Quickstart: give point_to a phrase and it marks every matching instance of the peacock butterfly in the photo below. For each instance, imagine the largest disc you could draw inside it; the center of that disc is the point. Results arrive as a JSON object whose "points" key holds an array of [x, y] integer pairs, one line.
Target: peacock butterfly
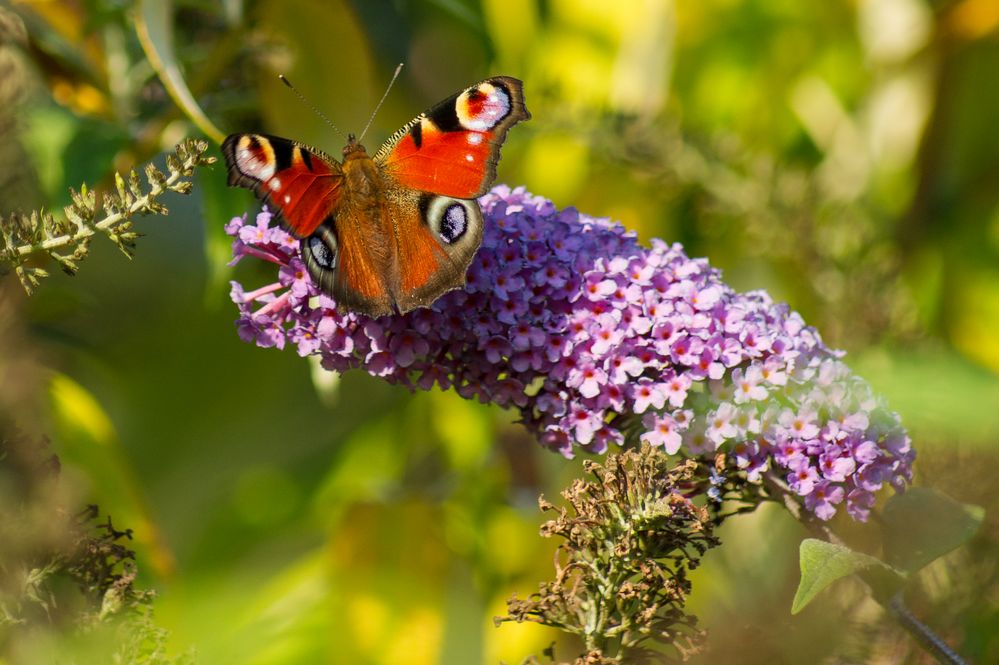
{"points": [[395, 231]]}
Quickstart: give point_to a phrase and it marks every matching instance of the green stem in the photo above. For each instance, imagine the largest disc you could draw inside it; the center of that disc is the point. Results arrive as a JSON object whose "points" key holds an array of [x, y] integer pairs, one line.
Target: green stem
{"points": [[922, 633]]}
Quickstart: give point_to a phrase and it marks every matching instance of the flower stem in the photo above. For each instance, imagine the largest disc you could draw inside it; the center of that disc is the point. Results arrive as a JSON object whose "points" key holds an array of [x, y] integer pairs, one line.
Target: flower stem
{"points": [[265, 255], [930, 641], [250, 296], [277, 304], [67, 240]]}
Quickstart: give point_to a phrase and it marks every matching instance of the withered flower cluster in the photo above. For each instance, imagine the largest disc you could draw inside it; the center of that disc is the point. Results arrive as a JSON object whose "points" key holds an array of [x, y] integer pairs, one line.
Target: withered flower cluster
{"points": [[63, 572], [621, 574]]}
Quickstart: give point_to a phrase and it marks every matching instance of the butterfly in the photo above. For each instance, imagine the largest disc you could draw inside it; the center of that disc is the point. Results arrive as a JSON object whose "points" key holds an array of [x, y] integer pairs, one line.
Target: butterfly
{"points": [[391, 232]]}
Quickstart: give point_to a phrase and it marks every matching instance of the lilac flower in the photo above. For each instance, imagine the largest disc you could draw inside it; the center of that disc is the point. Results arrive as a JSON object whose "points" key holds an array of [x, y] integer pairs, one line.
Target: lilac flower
{"points": [[646, 393], [598, 340], [295, 277], [804, 478], [748, 385], [721, 424], [823, 498], [662, 431]]}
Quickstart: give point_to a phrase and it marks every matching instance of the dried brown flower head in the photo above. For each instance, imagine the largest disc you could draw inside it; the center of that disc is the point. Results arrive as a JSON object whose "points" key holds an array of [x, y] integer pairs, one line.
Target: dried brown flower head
{"points": [[630, 538]]}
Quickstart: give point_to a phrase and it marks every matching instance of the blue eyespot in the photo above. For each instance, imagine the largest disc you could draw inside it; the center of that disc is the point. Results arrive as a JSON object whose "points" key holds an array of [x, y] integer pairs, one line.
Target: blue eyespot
{"points": [[454, 223], [321, 253]]}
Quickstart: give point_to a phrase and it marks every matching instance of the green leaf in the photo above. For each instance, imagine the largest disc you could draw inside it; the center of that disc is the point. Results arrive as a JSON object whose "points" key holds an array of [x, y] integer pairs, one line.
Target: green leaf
{"points": [[823, 563], [923, 524]]}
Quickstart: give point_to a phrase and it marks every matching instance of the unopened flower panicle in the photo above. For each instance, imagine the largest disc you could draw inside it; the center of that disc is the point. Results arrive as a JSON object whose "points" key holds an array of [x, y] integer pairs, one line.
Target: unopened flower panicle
{"points": [[597, 339]]}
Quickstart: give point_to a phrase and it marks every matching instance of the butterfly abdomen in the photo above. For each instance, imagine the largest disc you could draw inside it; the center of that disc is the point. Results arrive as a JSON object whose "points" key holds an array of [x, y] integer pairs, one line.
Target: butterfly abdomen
{"points": [[367, 242]]}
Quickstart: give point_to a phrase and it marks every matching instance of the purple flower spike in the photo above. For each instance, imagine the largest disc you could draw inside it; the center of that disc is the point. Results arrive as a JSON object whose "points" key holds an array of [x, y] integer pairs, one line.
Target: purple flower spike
{"points": [[596, 340]]}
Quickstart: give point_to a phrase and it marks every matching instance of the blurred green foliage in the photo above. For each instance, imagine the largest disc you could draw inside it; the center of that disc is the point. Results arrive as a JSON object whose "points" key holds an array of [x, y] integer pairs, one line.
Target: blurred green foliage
{"points": [[840, 154]]}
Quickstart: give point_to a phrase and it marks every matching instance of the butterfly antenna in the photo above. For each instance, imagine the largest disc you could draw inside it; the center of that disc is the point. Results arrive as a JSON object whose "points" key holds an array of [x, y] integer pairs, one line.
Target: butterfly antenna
{"points": [[309, 104], [375, 112]]}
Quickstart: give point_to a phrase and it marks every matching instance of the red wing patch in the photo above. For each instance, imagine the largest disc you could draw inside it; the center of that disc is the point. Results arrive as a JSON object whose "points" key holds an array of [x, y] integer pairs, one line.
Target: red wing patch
{"points": [[300, 184], [448, 163], [452, 149]]}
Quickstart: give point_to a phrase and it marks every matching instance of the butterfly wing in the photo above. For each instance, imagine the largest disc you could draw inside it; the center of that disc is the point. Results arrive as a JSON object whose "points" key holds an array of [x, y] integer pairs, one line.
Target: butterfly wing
{"points": [[350, 258], [345, 251], [432, 169], [439, 236], [301, 185], [452, 148]]}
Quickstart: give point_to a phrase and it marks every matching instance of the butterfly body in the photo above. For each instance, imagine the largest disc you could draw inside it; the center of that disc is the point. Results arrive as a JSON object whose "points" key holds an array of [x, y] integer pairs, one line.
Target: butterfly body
{"points": [[394, 231]]}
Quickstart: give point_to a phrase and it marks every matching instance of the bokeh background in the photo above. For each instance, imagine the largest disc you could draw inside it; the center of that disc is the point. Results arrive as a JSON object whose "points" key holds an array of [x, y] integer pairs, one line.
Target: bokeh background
{"points": [[842, 155]]}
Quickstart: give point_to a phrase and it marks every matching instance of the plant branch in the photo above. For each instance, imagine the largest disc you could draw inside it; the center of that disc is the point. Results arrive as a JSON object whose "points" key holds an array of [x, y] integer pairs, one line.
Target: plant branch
{"points": [[25, 236], [923, 634]]}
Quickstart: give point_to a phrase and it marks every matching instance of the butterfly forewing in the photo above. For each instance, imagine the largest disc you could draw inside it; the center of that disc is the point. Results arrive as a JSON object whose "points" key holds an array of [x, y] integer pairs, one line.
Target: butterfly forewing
{"points": [[452, 148], [300, 185], [439, 236]]}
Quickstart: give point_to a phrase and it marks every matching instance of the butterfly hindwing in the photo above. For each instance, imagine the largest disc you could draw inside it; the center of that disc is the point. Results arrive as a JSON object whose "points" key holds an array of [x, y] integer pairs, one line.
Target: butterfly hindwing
{"points": [[452, 148], [352, 260], [439, 236], [300, 185]]}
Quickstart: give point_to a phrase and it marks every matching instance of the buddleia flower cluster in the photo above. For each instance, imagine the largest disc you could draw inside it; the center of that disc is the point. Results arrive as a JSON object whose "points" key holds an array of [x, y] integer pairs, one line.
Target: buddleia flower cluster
{"points": [[597, 340]]}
